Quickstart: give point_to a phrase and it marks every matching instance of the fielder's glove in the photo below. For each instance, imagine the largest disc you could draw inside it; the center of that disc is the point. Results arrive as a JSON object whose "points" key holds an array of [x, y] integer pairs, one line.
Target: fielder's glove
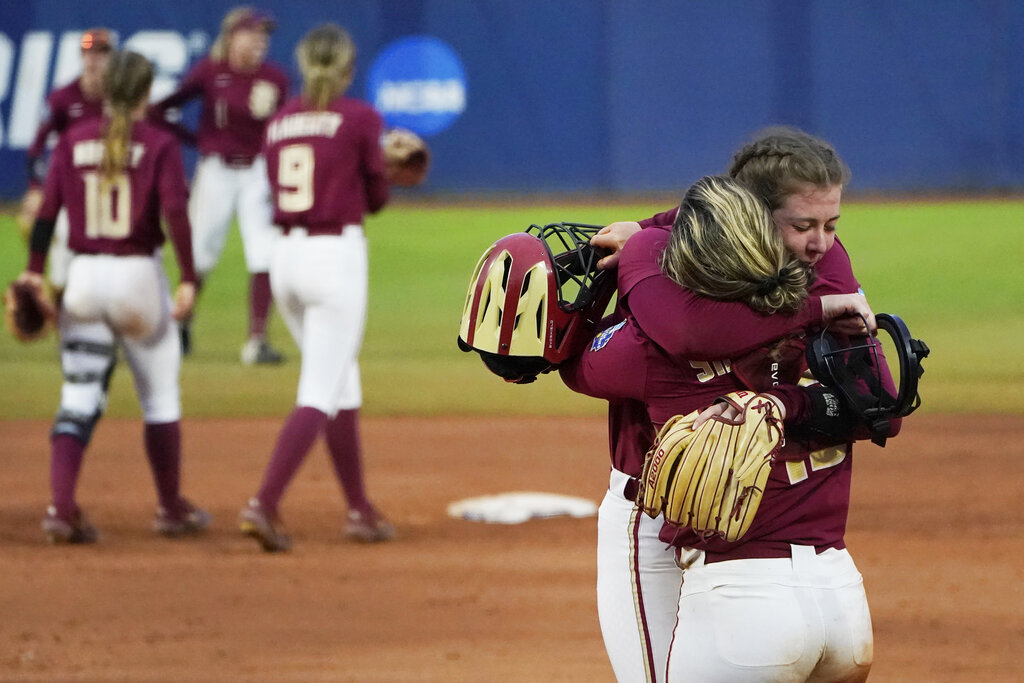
{"points": [[407, 157], [28, 311], [711, 480]]}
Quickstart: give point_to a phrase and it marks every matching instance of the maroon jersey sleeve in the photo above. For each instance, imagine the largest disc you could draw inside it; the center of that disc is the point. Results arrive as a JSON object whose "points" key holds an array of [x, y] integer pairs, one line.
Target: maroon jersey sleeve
{"points": [[56, 120], [191, 87], [612, 366], [663, 219], [52, 202], [174, 202], [377, 187], [690, 326], [693, 327]]}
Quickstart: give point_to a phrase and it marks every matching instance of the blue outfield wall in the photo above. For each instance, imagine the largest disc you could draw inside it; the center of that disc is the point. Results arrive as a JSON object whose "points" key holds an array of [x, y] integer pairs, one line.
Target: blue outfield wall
{"points": [[616, 96]]}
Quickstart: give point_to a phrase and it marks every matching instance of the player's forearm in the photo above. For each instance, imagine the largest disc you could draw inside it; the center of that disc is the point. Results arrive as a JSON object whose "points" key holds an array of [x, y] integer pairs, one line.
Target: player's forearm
{"points": [[39, 244], [693, 327], [181, 238]]}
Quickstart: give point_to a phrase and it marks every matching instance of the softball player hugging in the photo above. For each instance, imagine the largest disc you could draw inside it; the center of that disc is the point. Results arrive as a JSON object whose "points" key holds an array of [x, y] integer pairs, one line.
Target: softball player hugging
{"points": [[239, 92], [327, 170], [115, 176]]}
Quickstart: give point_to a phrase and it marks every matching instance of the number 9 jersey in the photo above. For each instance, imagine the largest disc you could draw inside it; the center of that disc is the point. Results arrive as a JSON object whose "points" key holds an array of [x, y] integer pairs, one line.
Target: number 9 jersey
{"points": [[120, 215], [326, 167]]}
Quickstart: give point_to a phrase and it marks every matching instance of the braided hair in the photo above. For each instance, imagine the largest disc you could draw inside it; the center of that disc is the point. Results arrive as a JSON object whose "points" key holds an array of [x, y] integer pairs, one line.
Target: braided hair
{"points": [[782, 161], [724, 245]]}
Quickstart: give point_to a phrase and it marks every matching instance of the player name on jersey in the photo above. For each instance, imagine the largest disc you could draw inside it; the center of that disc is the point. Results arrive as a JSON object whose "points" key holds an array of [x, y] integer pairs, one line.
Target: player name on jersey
{"points": [[303, 125], [90, 153]]}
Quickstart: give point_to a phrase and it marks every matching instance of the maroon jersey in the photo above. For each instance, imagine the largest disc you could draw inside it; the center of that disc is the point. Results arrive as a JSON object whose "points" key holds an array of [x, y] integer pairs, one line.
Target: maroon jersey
{"points": [[121, 217], [326, 167], [236, 106], [67, 106], [806, 499]]}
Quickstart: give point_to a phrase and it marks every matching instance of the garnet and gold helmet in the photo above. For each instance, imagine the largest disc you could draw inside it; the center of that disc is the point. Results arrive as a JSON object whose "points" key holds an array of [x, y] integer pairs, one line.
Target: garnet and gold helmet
{"points": [[534, 299]]}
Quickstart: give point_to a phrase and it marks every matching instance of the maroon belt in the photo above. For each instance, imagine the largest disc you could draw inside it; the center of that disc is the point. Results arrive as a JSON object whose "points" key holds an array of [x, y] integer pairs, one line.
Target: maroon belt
{"points": [[238, 160], [314, 231], [762, 550], [631, 488]]}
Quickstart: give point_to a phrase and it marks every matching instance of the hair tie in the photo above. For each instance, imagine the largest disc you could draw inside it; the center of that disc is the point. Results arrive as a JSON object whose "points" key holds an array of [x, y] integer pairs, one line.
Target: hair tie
{"points": [[769, 284]]}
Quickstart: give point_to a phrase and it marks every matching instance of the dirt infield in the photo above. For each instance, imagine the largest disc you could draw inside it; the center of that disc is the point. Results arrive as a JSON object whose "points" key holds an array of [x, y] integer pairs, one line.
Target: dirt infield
{"points": [[937, 529]]}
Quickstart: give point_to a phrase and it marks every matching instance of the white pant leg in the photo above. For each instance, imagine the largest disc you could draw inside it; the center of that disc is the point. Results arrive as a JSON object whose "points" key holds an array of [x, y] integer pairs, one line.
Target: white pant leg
{"points": [[156, 362], [255, 215], [60, 255], [764, 620], [637, 587], [320, 285], [130, 294], [211, 206]]}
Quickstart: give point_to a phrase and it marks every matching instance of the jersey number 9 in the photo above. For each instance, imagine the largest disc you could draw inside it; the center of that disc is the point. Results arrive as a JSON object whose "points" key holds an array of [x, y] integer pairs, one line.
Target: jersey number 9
{"points": [[295, 178]]}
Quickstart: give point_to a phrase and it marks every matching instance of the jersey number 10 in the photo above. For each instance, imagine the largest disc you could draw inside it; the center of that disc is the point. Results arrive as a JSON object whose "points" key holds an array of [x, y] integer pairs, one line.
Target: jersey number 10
{"points": [[107, 206]]}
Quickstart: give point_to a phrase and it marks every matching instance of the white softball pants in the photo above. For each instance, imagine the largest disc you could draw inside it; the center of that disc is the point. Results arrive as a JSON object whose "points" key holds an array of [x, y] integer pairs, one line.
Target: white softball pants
{"points": [[803, 618], [638, 583], [320, 286], [111, 300], [219, 193]]}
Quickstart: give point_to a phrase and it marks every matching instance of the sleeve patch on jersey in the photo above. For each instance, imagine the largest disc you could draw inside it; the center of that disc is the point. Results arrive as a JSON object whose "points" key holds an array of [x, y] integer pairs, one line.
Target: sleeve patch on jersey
{"points": [[601, 340]]}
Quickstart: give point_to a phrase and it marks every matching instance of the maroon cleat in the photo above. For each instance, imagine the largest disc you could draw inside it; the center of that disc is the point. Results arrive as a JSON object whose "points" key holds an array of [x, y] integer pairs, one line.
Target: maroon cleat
{"points": [[368, 526], [76, 530], [187, 519], [267, 529]]}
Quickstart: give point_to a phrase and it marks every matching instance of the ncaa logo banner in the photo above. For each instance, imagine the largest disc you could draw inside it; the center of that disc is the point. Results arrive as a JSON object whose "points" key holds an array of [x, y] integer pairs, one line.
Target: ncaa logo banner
{"points": [[418, 83]]}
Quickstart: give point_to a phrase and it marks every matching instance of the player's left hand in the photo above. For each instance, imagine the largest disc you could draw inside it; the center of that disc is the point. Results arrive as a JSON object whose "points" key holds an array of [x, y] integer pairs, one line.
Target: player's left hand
{"points": [[731, 411], [613, 237], [184, 300]]}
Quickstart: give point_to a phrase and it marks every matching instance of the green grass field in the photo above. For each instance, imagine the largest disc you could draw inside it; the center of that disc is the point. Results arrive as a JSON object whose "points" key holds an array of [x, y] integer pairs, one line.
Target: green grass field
{"points": [[934, 264]]}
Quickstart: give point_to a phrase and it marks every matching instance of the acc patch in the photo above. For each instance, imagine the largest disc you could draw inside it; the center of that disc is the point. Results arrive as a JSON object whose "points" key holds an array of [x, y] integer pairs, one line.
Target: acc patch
{"points": [[601, 340]]}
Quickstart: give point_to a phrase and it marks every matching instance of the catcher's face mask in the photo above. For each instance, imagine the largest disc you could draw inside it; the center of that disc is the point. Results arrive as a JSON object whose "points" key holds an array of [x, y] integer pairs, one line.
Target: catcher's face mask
{"points": [[854, 370], [534, 299]]}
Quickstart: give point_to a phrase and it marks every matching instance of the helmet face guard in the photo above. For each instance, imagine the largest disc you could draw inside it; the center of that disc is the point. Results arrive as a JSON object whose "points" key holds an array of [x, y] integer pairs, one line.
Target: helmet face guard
{"points": [[534, 299], [854, 369]]}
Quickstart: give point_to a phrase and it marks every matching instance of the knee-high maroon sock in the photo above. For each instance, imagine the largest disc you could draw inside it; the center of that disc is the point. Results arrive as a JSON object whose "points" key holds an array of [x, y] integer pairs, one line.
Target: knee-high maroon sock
{"points": [[66, 454], [163, 449], [259, 304], [344, 446], [293, 443]]}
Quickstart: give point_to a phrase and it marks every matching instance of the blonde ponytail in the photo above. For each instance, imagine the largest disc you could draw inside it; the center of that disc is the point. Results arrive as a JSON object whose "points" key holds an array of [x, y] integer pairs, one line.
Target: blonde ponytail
{"points": [[126, 83], [326, 57]]}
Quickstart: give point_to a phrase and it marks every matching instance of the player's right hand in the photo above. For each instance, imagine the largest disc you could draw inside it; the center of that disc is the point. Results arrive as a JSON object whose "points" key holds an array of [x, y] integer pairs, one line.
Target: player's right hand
{"points": [[846, 314], [613, 237], [184, 300]]}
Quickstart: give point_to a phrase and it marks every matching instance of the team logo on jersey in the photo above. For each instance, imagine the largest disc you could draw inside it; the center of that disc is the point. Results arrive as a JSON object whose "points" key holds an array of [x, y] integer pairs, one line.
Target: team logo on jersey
{"points": [[601, 340], [262, 99]]}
